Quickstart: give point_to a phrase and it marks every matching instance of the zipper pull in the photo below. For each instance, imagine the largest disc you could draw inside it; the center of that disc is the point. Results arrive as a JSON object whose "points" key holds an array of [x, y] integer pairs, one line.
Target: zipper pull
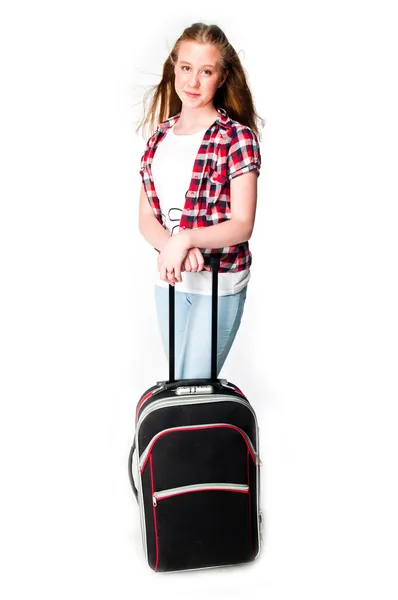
{"points": [[154, 500]]}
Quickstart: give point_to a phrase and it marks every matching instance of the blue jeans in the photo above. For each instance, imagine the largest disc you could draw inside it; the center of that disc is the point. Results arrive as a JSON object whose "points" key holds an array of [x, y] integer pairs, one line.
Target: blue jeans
{"points": [[193, 329]]}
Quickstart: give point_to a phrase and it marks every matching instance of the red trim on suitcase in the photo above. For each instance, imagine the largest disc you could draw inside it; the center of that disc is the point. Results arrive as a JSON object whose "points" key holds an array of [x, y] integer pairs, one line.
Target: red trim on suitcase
{"points": [[154, 518], [238, 390], [141, 402], [161, 433]]}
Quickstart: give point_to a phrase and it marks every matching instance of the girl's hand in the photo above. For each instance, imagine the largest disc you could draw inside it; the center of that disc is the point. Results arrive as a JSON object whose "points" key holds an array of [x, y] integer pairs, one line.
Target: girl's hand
{"points": [[171, 257], [194, 261]]}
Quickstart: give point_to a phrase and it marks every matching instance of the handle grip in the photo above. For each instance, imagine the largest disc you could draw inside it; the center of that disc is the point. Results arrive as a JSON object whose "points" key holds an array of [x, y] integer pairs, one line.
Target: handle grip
{"points": [[130, 467]]}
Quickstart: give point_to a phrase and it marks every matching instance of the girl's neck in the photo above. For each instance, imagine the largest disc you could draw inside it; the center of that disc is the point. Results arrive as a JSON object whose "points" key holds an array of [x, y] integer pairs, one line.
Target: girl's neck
{"points": [[192, 120]]}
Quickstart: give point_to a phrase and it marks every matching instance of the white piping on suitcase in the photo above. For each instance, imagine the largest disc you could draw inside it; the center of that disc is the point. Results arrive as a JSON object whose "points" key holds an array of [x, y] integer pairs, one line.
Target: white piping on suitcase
{"points": [[232, 487], [141, 508], [203, 426], [160, 404]]}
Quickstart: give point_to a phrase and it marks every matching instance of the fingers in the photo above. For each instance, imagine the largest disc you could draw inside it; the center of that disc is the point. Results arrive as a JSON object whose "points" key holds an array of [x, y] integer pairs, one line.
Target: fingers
{"points": [[187, 264], [177, 272], [165, 276], [168, 273], [192, 261], [171, 278], [195, 261], [199, 259]]}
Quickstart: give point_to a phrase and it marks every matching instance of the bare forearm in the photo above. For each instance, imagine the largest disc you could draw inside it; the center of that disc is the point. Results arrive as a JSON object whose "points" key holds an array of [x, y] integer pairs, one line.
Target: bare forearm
{"points": [[221, 235], [154, 233]]}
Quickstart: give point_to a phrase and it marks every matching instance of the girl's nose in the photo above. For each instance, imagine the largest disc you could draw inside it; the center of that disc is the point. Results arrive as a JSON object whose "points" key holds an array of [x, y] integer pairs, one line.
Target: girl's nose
{"points": [[194, 80]]}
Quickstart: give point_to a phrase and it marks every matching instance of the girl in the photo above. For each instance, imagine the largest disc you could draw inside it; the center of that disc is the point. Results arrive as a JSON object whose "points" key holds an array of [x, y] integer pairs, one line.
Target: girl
{"points": [[199, 192]]}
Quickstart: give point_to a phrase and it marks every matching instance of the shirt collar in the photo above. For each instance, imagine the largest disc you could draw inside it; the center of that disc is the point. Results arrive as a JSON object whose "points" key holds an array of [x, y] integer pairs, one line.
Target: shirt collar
{"points": [[222, 120]]}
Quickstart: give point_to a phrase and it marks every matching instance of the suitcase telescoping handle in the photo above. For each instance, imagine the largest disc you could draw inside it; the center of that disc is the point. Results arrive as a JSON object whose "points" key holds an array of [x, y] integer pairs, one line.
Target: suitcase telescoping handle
{"points": [[213, 261]]}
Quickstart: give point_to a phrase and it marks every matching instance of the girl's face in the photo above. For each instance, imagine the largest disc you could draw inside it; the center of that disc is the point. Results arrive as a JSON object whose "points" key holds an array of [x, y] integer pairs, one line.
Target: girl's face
{"points": [[197, 71]]}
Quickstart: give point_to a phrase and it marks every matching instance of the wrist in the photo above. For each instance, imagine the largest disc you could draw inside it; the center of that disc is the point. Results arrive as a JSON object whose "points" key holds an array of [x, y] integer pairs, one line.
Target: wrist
{"points": [[185, 238], [164, 241]]}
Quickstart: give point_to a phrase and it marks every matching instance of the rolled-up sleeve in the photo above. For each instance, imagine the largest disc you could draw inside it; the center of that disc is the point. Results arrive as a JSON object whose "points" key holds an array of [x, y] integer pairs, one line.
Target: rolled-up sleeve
{"points": [[244, 152], [142, 164], [144, 157], [143, 160]]}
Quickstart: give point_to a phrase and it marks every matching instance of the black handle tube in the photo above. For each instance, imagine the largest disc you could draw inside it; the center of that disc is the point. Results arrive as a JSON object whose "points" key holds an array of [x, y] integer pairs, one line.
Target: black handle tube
{"points": [[213, 261], [171, 333], [214, 327]]}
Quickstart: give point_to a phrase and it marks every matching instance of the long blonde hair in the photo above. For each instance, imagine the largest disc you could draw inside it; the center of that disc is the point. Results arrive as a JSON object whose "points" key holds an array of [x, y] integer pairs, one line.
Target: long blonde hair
{"points": [[234, 95]]}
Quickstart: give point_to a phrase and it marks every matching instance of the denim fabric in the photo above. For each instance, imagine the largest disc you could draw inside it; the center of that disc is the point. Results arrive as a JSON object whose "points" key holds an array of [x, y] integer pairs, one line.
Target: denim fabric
{"points": [[193, 329]]}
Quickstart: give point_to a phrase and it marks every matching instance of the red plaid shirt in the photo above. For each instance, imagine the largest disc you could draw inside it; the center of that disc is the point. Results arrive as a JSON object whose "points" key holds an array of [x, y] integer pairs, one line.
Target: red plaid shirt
{"points": [[228, 149]]}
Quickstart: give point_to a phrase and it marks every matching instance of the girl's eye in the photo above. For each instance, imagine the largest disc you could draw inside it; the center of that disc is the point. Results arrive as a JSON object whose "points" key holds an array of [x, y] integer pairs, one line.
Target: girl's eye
{"points": [[205, 70]]}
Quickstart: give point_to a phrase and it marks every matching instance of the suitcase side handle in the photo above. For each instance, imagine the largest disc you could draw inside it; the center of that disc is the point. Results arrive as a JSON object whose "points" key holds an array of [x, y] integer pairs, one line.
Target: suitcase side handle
{"points": [[130, 467], [212, 260]]}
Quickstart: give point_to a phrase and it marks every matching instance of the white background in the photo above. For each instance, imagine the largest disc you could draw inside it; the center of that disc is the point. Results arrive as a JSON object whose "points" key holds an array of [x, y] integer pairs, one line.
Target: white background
{"points": [[317, 350]]}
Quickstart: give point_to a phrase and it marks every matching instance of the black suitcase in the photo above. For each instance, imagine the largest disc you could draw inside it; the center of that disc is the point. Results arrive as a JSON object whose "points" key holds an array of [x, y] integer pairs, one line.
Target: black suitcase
{"points": [[196, 445]]}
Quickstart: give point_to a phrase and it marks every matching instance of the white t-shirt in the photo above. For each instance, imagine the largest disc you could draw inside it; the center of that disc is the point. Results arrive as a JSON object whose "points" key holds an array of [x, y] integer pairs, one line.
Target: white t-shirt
{"points": [[182, 150]]}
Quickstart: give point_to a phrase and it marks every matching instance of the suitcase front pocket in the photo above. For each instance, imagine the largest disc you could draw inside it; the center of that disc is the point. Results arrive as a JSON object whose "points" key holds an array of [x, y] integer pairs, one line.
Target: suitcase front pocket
{"points": [[202, 525], [199, 491]]}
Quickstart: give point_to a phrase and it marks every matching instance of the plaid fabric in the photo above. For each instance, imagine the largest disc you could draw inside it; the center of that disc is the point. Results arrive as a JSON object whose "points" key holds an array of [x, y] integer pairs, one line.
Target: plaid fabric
{"points": [[228, 149]]}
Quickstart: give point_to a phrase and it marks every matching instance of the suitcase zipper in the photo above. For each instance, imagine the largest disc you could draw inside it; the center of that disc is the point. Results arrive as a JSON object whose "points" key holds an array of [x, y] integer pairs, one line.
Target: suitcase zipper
{"points": [[230, 487], [147, 450], [166, 403]]}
